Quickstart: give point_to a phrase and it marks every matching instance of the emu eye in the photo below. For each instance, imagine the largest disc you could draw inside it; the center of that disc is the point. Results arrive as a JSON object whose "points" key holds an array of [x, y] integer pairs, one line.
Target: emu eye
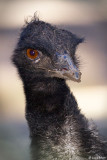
{"points": [[32, 53]]}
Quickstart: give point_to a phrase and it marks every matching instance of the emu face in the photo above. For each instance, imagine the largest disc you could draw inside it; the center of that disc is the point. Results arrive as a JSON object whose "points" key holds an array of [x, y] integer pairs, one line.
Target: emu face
{"points": [[44, 50]]}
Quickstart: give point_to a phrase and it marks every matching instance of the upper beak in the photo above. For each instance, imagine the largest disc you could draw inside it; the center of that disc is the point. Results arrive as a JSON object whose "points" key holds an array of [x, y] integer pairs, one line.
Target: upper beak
{"points": [[67, 67]]}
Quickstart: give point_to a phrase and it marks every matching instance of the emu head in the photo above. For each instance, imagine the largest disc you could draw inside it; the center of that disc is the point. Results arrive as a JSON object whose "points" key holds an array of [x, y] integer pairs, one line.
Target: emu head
{"points": [[44, 50]]}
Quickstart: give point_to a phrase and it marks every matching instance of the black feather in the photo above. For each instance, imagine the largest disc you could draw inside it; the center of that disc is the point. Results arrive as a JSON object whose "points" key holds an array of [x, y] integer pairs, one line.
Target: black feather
{"points": [[57, 127]]}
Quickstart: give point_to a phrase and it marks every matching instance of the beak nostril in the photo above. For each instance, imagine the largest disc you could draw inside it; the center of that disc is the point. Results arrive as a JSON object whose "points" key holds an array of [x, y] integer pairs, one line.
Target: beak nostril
{"points": [[67, 67]]}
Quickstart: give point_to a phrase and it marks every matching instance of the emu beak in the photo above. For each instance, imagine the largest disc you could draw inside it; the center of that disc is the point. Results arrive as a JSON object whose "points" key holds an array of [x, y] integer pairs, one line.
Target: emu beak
{"points": [[67, 68]]}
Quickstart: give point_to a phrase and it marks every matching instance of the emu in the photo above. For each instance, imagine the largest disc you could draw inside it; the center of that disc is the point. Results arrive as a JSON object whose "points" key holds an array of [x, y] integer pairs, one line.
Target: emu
{"points": [[45, 58]]}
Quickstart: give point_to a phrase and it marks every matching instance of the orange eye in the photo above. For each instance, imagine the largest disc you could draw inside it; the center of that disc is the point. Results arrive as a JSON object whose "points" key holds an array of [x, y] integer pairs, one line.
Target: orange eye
{"points": [[32, 53]]}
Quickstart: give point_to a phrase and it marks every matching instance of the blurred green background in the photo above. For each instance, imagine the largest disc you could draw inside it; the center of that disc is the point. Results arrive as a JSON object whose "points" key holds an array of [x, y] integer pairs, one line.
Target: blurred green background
{"points": [[87, 18]]}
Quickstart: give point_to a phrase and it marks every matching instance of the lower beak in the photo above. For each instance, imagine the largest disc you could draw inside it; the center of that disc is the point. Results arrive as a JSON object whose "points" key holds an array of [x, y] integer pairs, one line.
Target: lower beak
{"points": [[67, 67]]}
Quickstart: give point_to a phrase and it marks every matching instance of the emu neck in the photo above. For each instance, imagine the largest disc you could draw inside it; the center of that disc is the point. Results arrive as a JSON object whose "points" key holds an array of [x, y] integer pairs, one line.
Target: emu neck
{"points": [[54, 118], [46, 94], [45, 104]]}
